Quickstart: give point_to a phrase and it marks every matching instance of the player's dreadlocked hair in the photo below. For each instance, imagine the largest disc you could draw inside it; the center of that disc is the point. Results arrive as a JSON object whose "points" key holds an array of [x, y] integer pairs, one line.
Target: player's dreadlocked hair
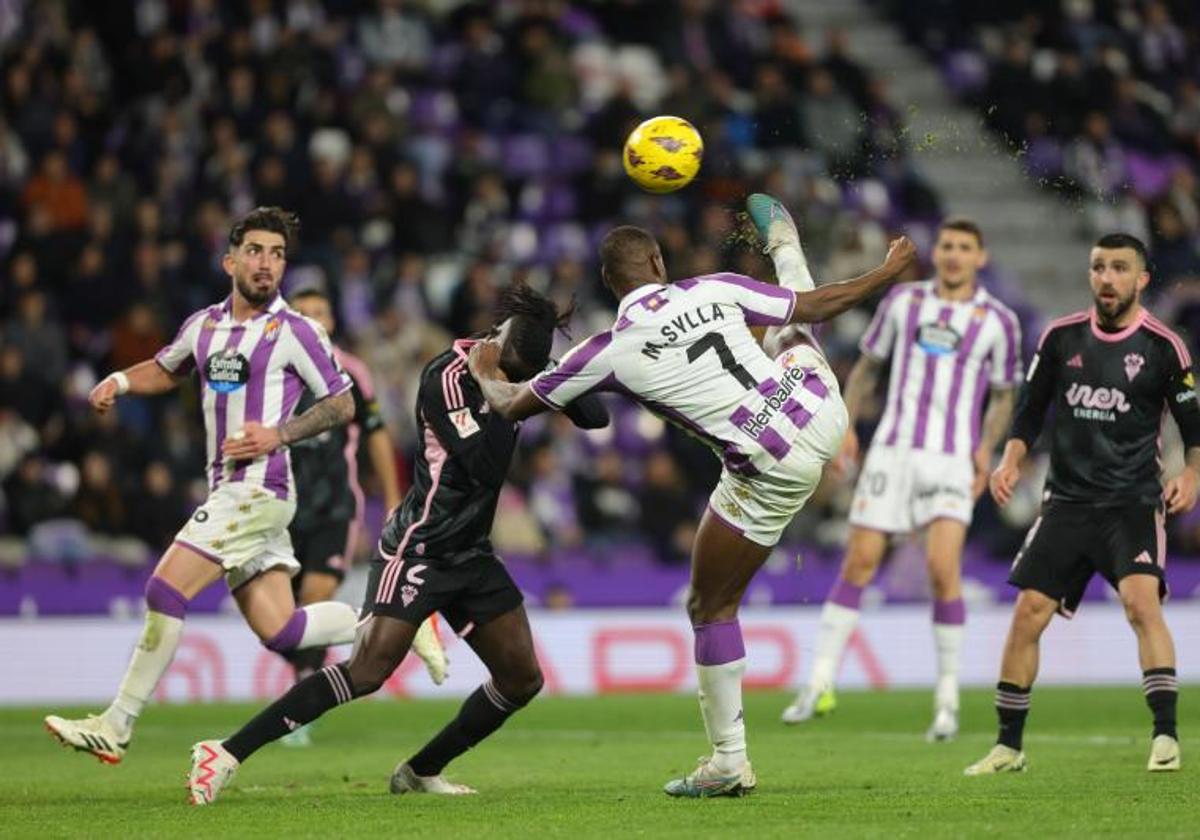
{"points": [[534, 319], [272, 219]]}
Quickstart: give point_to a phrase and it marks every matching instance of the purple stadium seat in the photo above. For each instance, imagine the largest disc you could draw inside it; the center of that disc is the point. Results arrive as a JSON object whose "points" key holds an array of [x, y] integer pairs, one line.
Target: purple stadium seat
{"points": [[525, 156]]}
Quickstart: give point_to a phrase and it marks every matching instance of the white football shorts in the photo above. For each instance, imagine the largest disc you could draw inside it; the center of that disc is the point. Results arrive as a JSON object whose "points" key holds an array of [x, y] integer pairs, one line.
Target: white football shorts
{"points": [[244, 528]]}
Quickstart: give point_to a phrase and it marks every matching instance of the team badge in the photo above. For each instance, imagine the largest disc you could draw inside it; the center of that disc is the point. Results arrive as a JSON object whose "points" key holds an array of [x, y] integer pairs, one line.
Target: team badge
{"points": [[1133, 365], [408, 594], [464, 423], [271, 330], [210, 323]]}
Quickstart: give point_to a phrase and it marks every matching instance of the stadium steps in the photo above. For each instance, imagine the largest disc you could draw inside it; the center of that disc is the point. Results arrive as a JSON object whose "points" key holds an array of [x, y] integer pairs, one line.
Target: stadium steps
{"points": [[1031, 233]]}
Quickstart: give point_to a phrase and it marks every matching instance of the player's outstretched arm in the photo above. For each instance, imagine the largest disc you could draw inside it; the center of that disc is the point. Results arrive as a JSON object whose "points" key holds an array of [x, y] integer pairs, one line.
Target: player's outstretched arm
{"points": [[144, 378], [832, 299], [512, 400]]}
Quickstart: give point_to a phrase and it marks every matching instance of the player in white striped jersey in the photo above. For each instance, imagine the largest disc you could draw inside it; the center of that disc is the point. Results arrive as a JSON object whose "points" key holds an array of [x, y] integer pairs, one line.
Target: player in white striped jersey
{"points": [[255, 356], [952, 346], [685, 351]]}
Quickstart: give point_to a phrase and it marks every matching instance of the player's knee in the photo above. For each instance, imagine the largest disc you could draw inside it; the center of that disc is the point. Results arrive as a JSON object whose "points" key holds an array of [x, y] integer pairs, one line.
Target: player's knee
{"points": [[1142, 612], [368, 674], [162, 597], [523, 687], [1032, 613], [288, 638]]}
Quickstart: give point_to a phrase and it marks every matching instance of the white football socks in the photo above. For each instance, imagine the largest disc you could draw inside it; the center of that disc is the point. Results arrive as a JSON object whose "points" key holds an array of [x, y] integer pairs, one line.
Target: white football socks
{"points": [[791, 268], [837, 623], [328, 623], [948, 641], [151, 658], [721, 708]]}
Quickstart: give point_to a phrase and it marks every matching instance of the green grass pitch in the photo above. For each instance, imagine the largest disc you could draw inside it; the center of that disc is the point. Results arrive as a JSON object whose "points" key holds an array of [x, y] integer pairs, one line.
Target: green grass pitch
{"points": [[577, 768]]}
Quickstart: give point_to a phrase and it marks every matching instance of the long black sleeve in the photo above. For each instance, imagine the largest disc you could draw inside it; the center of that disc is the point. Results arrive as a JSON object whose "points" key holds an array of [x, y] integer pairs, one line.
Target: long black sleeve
{"points": [[1037, 392], [1182, 402]]}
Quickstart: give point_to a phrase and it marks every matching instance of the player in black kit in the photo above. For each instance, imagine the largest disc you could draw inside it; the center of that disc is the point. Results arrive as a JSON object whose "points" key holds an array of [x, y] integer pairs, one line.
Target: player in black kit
{"points": [[1109, 372], [329, 500], [435, 556]]}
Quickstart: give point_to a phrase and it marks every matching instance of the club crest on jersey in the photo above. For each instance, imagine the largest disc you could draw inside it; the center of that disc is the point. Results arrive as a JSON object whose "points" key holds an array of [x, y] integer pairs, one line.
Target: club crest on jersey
{"points": [[271, 330], [227, 371], [464, 423], [1133, 365], [938, 339], [408, 594]]}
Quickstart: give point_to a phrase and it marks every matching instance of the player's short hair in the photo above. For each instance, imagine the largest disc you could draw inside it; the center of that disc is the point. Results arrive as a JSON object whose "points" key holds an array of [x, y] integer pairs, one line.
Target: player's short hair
{"points": [[305, 292], [271, 219], [534, 319], [1125, 240], [963, 224], [624, 250]]}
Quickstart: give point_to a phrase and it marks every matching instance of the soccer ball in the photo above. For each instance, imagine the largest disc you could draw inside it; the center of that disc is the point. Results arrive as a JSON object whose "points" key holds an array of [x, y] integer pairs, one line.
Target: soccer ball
{"points": [[663, 154]]}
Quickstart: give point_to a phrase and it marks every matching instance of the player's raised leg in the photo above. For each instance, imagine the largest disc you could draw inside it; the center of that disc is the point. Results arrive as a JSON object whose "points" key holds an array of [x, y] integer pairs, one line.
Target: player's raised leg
{"points": [[839, 617], [1156, 653], [505, 645], [945, 540], [179, 577], [781, 241], [1018, 669], [382, 644], [723, 563], [267, 603]]}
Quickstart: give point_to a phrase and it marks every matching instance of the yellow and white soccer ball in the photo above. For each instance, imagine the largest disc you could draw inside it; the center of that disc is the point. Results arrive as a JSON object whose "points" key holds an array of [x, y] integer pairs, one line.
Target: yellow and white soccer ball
{"points": [[663, 154]]}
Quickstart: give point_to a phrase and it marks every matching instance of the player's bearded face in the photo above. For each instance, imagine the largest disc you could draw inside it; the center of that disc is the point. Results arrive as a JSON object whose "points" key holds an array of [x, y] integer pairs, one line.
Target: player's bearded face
{"points": [[257, 266], [1116, 278]]}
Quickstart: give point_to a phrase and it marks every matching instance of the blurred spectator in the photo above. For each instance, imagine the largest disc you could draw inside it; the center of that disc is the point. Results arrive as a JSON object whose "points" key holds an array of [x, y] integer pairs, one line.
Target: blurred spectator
{"points": [[608, 512], [38, 336], [159, 505], [57, 192], [668, 516]]}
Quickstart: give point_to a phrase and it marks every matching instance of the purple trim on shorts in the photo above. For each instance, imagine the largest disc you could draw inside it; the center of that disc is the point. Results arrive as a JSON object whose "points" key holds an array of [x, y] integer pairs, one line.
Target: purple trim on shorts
{"points": [[771, 441], [956, 384], [719, 643], [910, 338], [219, 408], [545, 383], [205, 554], [845, 594], [931, 362], [335, 379], [256, 390], [731, 526], [950, 612], [289, 637], [162, 597]]}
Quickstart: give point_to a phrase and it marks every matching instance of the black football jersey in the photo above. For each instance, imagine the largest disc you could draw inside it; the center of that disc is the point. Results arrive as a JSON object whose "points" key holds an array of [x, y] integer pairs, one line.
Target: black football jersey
{"points": [[1110, 393]]}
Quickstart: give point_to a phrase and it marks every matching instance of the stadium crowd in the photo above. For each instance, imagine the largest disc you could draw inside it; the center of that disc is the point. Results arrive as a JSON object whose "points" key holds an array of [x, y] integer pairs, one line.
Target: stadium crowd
{"points": [[435, 151]]}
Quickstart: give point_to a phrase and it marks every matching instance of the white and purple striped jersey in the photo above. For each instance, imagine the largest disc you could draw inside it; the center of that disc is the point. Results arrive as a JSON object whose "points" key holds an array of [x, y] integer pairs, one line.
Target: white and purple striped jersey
{"points": [[685, 352], [256, 371], [945, 357]]}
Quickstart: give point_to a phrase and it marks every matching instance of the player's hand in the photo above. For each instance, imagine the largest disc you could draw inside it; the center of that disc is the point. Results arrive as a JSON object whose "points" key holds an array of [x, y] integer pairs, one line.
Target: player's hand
{"points": [[255, 441], [901, 254], [484, 360], [104, 395], [983, 466], [1180, 492], [1004, 481], [847, 458]]}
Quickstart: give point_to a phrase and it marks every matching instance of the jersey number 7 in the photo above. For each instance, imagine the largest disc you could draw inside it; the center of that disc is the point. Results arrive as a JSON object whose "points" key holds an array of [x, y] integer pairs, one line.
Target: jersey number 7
{"points": [[716, 341]]}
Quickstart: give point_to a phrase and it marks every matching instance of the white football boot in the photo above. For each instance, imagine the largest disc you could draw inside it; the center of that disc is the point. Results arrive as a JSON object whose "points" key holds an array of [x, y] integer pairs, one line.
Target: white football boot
{"points": [[212, 769], [1164, 754], [404, 780], [93, 734], [1001, 759]]}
